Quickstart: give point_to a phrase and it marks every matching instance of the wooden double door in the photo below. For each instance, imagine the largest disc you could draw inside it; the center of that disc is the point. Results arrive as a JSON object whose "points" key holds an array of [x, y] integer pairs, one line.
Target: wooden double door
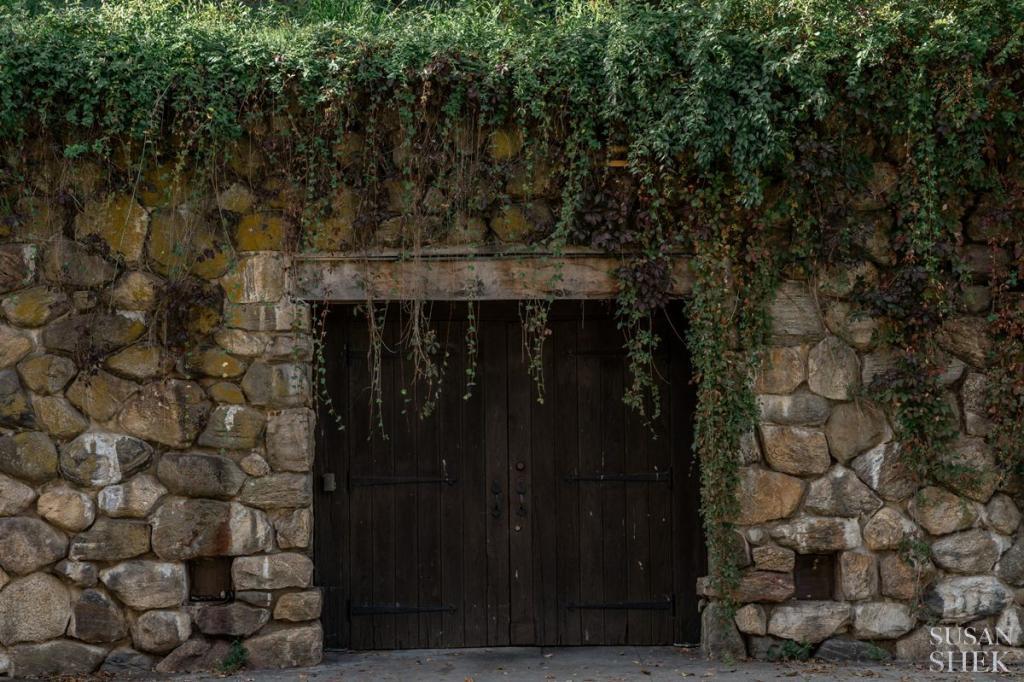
{"points": [[498, 519]]}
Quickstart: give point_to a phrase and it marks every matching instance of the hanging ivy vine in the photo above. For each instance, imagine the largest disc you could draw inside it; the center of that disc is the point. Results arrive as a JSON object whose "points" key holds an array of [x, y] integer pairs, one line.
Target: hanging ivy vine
{"points": [[752, 132]]}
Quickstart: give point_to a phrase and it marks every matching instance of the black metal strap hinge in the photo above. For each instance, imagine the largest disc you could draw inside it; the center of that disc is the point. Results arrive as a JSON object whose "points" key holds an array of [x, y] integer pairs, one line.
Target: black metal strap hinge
{"points": [[646, 477], [355, 482]]}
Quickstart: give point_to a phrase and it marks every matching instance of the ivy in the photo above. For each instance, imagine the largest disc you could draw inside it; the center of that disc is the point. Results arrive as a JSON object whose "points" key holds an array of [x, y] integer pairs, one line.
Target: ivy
{"points": [[755, 131]]}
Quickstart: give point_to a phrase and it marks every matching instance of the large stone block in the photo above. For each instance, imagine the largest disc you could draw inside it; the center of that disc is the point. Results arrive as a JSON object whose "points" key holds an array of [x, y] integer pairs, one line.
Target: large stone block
{"points": [[197, 474], [29, 455], [278, 491], [298, 606], [99, 394], [66, 507], [57, 417], [15, 409], [272, 317], [972, 467], [290, 439], [810, 621], [168, 412], [35, 307], [133, 499], [234, 619], [854, 428], [161, 631], [93, 333], [46, 374], [882, 620], [255, 278], [125, 662], [833, 370], [887, 529], [140, 362], [795, 314], [17, 266], [111, 540], [940, 512], [96, 618], [795, 450], [33, 609], [719, 638], [902, 579], [783, 369], [817, 535], [967, 338], [840, 493], [119, 221], [751, 620], [65, 261], [15, 496], [27, 544], [975, 396], [1002, 515], [294, 527], [970, 551], [185, 529], [97, 459], [883, 470], [14, 345], [57, 658], [767, 495], [144, 584], [281, 385], [774, 558], [286, 647], [233, 427], [858, 576], [799, 409], [963, 598], [272, 572]]}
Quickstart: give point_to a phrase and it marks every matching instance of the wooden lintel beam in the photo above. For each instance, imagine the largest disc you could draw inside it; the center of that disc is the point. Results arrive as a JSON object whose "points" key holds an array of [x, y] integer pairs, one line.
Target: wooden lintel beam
{"points": [[459, 279]]}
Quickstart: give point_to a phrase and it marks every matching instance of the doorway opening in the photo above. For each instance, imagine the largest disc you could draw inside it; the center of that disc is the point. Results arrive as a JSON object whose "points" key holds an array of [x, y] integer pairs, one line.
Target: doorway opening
{"points": [[498, 519]]}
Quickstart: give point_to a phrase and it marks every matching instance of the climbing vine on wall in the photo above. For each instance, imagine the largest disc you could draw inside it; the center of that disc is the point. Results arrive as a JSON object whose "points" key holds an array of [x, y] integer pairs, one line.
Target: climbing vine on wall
{"points": [[745, 133]]}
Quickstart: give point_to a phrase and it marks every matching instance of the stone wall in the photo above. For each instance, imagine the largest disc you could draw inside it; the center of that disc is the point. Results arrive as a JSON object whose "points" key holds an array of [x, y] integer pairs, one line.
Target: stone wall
{"points": [[155, 408], [822, 476]]}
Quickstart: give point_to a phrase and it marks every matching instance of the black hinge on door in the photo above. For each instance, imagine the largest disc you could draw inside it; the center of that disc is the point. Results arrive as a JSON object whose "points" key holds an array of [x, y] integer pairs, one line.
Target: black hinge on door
{"points": [[668, 604], [357, 481], [395, 609], [646, 477]]}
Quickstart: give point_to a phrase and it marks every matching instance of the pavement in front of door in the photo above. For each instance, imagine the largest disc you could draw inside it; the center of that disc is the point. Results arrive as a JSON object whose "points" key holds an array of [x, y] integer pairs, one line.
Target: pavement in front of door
{"points": [[577, 664]]}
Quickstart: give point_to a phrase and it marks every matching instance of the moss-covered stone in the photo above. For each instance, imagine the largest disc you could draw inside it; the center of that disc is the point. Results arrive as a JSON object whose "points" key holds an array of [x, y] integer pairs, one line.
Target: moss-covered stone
{"points": [[262, 232], [36, 306], [119, 221]]}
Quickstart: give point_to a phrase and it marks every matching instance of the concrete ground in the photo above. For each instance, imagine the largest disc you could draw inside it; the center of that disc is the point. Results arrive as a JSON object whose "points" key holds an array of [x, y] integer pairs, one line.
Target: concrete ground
{"points": [[578, 664]]}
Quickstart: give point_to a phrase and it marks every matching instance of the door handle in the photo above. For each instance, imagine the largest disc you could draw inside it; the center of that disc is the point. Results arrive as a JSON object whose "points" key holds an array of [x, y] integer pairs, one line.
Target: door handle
{"points": [[496, 491], [521, 491]]}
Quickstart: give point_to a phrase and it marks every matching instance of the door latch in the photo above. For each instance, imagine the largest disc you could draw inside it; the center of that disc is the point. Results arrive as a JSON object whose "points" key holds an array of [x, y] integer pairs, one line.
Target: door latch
{"points": [[329, 483]]}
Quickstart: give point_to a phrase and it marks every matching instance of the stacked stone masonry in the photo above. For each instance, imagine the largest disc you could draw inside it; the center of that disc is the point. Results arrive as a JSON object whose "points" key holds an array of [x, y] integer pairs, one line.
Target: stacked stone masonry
{"points": [[155, 408], [822, 476], [124, 454]]}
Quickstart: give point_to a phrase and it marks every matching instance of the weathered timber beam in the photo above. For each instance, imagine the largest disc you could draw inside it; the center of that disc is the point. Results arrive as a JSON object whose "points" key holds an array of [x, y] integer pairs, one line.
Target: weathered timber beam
{"points": [[341, 279]]}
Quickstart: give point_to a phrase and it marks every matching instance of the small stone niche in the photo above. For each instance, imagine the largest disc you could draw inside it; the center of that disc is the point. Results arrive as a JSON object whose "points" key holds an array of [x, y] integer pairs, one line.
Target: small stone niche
{"points": [[814, 576], [209, 579]]}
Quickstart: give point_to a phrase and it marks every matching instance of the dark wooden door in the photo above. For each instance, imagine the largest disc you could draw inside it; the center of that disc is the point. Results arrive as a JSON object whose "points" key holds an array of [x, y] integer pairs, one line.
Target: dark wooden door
{"points": [[498, 519]]}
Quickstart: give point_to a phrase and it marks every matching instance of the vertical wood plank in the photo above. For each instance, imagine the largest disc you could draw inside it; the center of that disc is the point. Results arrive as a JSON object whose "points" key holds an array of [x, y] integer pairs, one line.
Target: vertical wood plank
{"points": [[360, 562], [591, 458], [384, 564], [613, 510], [638, 531], [451, 446], [475, 509], [520, 473], [495, 397], [566, 438], [543, 499]]}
